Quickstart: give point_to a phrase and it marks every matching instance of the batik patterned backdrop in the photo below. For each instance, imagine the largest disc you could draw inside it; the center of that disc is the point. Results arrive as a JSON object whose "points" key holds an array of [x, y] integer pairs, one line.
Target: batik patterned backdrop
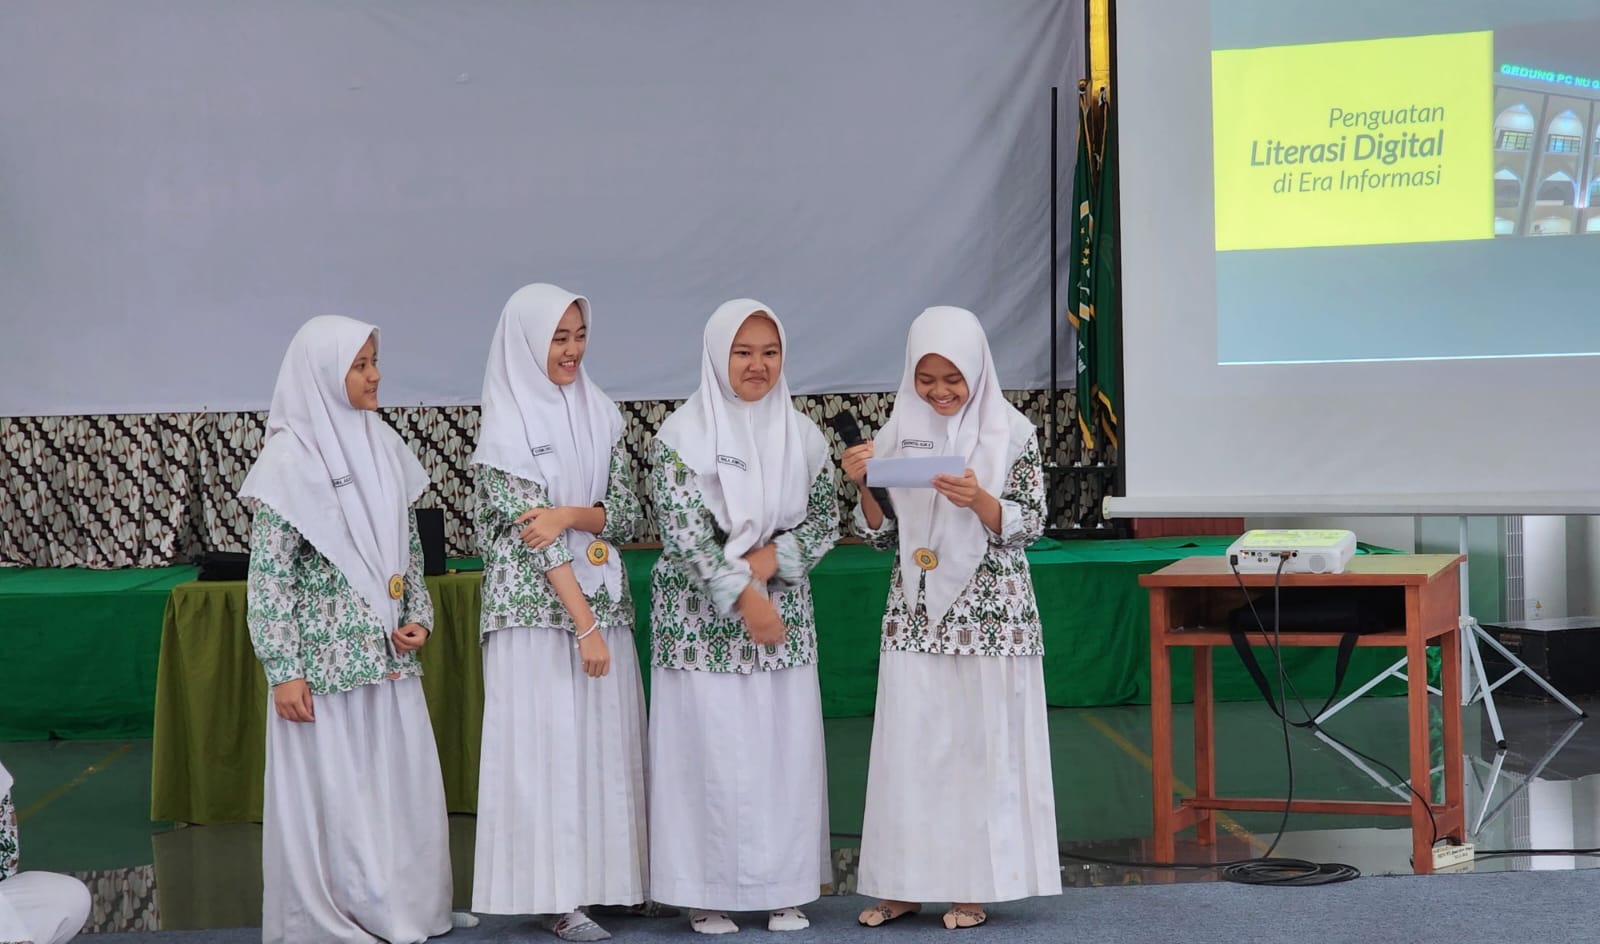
{"points": [[154, 489]]}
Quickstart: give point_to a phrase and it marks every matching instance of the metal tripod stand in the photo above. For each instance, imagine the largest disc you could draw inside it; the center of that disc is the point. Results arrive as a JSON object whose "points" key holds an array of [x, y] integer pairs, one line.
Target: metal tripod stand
{"points": [[1475, 684]]}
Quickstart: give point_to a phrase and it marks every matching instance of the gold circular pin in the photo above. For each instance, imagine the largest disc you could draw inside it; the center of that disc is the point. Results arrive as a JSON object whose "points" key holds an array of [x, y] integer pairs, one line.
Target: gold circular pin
{"points": [[397, 587], [599, 552], [925, 558]]}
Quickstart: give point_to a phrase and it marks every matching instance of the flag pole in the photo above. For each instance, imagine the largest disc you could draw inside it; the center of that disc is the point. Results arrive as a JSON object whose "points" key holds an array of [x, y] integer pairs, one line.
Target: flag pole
{"points": [[1054, 417], [1120, 464]]}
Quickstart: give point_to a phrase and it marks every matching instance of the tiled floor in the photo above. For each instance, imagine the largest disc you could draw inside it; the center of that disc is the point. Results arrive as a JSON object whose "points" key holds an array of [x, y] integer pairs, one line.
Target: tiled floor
{"points": [[84, 806]]}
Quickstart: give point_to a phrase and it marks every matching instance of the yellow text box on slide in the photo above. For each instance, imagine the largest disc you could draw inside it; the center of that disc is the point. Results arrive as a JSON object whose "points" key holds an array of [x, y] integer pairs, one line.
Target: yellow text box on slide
{"points": [[1354, 143]]}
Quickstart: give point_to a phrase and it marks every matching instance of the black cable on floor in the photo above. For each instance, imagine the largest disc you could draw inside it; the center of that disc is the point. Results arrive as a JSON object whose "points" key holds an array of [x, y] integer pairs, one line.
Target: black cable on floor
{"points": [[1293, 872], [1514, 853]]}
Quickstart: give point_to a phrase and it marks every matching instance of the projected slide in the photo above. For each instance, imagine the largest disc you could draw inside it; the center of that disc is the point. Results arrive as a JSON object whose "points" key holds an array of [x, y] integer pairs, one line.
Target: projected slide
{"points": [[1340, 144], [1394, 172]]}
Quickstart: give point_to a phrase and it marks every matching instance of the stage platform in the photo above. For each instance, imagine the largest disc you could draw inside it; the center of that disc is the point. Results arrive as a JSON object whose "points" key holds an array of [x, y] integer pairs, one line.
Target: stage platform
{"points": [[91, 655]]}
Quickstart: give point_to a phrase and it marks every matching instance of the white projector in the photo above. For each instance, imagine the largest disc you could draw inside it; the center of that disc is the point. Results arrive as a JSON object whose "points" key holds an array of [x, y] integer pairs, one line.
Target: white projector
{"points": [[1300, 552]]}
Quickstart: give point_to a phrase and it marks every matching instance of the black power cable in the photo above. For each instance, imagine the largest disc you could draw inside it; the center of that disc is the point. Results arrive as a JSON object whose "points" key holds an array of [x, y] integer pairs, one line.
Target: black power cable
{"points": [[1513, 853], [1264, 869], [1311, 724]]}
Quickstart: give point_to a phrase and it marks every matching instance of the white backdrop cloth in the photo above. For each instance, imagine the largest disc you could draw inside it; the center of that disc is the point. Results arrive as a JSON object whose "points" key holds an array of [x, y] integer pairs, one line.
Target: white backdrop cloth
{"points": [[186, 182]]}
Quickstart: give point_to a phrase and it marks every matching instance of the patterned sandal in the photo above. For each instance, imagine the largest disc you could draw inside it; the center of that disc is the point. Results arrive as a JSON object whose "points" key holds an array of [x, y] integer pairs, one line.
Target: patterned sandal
{"points": [[882, 913], [957, 918], [577, 926]]}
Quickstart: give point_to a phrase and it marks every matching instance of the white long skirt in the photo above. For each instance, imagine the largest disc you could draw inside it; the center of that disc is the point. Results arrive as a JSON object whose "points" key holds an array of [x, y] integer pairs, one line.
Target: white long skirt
{"points": [[354, 839], [738, 789], [960, 803], [561, 780]]}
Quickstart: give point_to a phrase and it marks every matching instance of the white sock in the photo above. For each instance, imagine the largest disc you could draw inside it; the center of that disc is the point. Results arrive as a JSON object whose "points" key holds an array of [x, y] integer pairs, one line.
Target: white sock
{"points": [[463, 919], [711, 922], [788, 919]]}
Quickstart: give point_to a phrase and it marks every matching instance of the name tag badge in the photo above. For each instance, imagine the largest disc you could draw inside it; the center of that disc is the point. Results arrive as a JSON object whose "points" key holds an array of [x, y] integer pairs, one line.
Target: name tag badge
{"points": [[542, 451], [734, 461], [916, 444]]}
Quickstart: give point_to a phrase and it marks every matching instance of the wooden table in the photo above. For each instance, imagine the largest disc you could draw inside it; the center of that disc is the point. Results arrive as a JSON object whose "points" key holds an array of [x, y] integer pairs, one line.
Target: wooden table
{"points": [[1189, 605]]}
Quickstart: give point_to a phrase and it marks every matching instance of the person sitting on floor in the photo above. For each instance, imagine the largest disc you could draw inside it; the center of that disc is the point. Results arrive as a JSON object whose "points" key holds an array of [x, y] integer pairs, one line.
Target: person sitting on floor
{"points": [[35, 907]]}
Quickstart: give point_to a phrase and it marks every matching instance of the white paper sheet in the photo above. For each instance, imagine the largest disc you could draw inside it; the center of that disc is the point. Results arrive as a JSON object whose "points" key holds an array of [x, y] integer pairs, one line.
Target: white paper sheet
{"points": [[912, 471]]}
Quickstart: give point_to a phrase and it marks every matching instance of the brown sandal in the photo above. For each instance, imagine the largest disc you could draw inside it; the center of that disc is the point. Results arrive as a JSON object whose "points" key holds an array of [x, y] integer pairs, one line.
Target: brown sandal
{"points": [[957, 918], [884, 914]]}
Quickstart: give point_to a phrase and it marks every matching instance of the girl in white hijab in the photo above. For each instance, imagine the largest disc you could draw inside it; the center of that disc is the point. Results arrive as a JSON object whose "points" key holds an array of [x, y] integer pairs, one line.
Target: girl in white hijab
{"points": [[354, 844], [561, 792], [744, 495], [960, 803]]}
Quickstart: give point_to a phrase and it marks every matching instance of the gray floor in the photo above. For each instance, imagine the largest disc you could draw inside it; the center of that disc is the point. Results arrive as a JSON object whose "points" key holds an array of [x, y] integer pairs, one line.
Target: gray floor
{"points": [[84, 809], [1461, 909]]}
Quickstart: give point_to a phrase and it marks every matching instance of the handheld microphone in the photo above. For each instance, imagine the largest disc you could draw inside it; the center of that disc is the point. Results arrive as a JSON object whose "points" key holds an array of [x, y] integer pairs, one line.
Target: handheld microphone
{"points": [[845, 424]]}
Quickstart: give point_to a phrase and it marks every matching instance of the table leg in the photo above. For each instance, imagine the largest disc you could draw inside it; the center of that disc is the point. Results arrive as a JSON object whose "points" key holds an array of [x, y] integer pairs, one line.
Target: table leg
{"points": [[1419, 738], [1205, 744], [1161, 727], [1455, 774]]}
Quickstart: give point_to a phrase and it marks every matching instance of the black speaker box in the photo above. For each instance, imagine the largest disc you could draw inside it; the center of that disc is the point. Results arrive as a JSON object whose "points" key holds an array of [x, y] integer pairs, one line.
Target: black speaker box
{"points": [[222, 565], [1564, 652], [430, 530]]}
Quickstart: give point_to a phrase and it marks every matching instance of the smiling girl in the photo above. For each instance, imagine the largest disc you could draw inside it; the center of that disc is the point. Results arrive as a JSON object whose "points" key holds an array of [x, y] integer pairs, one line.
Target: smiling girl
{"points": [[960, 805], [744, 494], [561, 786], [354, 842]]}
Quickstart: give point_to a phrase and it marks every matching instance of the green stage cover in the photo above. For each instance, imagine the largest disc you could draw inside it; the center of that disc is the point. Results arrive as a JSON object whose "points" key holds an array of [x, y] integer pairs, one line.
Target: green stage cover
{"points": [[80, 650]]}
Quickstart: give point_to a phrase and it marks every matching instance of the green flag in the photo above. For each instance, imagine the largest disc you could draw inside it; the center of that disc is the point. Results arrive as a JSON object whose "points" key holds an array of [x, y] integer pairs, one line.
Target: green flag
{"points": [[1106, 365], [1080, 274]]}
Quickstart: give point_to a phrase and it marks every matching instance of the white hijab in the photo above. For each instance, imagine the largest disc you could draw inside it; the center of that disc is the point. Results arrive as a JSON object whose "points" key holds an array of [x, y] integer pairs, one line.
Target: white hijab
{"points": [[989, 434], [5, 780], [559, 436], [339, 475], [755, 461]]}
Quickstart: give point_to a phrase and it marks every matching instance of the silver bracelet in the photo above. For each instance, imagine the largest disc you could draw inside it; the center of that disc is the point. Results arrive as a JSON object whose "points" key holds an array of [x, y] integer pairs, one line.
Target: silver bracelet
{"points": [[580, 637]]}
